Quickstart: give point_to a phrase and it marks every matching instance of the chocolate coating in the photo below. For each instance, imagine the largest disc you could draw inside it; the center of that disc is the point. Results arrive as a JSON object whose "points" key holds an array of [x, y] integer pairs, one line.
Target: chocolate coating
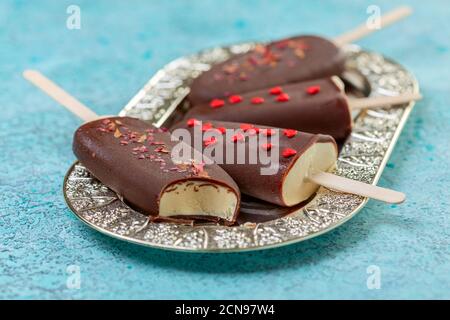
{"points": [[285, 61], [248, 176], [325, 112], [133, 159]]}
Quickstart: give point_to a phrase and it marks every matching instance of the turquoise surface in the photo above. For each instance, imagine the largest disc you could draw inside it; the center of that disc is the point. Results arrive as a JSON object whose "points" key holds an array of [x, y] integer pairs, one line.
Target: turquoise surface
{"points": [[119, 46]]}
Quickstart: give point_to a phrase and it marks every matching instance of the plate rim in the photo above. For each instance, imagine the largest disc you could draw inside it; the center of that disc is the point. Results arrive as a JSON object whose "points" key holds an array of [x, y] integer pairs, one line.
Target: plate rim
{"points": [[190, 250]]}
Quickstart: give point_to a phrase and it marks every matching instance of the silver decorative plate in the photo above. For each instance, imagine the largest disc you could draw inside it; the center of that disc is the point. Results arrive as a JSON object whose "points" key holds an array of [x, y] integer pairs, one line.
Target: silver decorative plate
{"points": [[363, 158]]}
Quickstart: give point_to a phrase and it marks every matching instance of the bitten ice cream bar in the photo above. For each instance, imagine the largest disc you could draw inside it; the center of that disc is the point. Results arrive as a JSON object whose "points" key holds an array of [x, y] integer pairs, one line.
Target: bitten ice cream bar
{"points": [[302, 161], [134, 159], [298, 155]]}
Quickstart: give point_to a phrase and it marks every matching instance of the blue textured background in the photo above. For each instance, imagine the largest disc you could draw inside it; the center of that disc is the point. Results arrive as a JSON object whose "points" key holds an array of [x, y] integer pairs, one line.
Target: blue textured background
{"points": [[121, 44]]}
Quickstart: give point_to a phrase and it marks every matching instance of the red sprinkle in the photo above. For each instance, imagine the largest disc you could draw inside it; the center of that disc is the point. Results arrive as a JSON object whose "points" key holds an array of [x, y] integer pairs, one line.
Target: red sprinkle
{"points": [[276, 91], [237, 137], [192, 122], [235, 99], [313, 90], [209, 141], [217, 103], [267, 132], [266, 146], [283, 97], [257, 100], [288, 152], [246, 126], [289, 132], [222, 130], [207, 126]]}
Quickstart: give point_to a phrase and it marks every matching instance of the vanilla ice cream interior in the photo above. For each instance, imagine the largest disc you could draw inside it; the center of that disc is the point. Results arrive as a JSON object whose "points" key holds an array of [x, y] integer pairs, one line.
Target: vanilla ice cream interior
{"points": [[296, 187], [198, 198]]}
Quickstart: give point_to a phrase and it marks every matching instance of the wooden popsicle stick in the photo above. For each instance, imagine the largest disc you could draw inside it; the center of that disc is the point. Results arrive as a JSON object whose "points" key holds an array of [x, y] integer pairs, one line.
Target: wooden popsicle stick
{"points": [[363, 30], [60, 95], [382, 101], [346, 185]]}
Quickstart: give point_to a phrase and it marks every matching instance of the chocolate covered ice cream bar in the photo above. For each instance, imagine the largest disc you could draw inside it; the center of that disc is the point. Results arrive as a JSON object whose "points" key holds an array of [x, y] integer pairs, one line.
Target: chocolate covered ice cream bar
{"points": [[285, 61], [316, 106], [291, 155], [133, 159], [281, 62]]}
